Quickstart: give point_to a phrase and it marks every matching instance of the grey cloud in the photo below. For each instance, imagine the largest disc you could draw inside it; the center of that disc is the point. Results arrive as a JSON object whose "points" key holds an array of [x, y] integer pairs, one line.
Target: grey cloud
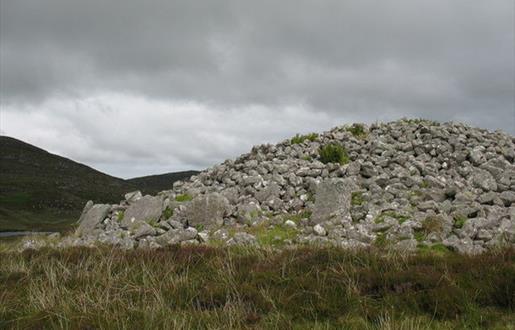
{"points": [[238, 52], [130, 134], [346, 60]]}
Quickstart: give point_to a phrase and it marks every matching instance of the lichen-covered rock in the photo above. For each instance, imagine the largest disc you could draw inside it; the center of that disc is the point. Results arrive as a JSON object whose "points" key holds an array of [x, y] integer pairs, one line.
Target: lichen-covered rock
{"points": [[332, 200], [145, 209], [87, 207], [319, 230], [207, 210], [143, 229], [91, 218], [176, 236]]}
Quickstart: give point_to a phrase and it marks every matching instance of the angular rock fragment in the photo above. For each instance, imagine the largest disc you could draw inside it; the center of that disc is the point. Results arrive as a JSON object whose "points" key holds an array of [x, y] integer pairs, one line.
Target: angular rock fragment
{"points": [[92, 217]]}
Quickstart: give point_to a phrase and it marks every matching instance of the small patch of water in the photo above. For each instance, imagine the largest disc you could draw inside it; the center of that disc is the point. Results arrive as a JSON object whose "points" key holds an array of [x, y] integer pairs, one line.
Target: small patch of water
{"points": [[22, 233]]}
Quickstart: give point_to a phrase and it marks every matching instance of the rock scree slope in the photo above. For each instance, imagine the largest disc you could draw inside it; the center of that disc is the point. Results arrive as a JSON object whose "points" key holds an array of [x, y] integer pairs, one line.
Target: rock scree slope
{"points": [[405, 185]]}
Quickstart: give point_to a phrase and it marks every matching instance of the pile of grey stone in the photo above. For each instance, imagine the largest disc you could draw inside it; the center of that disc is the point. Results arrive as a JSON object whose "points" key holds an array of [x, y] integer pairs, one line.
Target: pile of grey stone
{"points": [[408, 184]]}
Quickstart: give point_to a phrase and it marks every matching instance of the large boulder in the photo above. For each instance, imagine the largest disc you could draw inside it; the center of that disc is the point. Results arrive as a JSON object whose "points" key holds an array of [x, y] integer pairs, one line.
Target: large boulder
{"points": [[333, 200], [176, 236], [146, 209], [207, 210], [91, 217]]}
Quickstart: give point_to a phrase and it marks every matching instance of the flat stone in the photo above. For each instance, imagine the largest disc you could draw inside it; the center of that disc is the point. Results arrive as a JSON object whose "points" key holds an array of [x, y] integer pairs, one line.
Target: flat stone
{"points": [[144, 229], [176, 236]]}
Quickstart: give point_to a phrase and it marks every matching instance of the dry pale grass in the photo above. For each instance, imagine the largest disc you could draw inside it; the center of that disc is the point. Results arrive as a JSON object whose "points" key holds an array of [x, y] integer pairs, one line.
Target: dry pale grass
{"points": [[235, 288]]}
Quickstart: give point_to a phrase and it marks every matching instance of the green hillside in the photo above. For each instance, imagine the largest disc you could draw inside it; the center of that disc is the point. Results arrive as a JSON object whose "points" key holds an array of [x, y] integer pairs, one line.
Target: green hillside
{"points": [[155, 183], [43, 191]]}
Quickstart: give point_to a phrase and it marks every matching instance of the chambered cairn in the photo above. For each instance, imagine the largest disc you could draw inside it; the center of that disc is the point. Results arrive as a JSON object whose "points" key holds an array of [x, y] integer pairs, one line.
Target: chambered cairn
{"points": [[403, 185]]}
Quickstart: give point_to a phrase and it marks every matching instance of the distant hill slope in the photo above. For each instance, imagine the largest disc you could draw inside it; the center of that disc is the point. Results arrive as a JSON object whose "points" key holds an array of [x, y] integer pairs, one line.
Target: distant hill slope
{"points": [[153, 184], [43, 191]]}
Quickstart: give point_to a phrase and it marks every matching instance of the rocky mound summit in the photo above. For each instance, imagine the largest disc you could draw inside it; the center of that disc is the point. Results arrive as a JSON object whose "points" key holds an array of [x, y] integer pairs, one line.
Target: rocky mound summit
{"points": [[407, 185]]}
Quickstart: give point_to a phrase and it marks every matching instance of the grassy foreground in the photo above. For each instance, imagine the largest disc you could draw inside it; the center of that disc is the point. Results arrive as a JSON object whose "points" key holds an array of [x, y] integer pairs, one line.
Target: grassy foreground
{"points": [[226, 288]]}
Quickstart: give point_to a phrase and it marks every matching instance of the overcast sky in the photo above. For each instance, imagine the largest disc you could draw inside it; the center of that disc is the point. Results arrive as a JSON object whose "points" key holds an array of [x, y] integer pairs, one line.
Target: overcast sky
{"points": [[142, 87]]}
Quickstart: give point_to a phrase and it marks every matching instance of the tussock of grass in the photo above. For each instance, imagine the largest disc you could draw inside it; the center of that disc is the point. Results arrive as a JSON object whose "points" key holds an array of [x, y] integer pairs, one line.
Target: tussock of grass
{"points": [[438, 249], [299, 216], [303, 288], [298, 139], [357, 130], [333, 153], [276, 235]]}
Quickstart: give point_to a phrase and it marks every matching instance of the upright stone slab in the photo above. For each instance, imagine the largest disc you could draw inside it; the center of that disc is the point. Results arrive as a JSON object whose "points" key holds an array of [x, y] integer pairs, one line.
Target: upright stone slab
{"points": [[208, 210], [87, 207], [92, 216], [146, 209], [332, 199]]}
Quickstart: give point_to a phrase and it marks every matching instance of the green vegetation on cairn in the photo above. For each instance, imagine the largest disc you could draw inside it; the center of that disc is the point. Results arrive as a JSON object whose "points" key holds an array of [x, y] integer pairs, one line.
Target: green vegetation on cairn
{"points": [[121, 215], [183, 198], [167, 213], [357, 198], [400, 218], [433, 224], [459, 221], [381, 240], [297, 139], [424, 184], [357, 130], [299, 216], [333, 153]]}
